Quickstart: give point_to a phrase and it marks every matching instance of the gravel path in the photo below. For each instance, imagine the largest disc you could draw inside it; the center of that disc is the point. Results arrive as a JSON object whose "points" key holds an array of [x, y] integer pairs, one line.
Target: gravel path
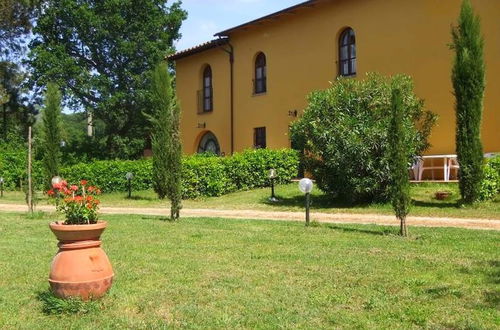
{"points": [[339, 218]]}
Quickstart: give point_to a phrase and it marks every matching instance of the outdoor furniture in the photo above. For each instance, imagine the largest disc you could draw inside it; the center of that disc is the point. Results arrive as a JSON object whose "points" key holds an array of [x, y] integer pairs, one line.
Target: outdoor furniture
{"points": [[449, 162]]}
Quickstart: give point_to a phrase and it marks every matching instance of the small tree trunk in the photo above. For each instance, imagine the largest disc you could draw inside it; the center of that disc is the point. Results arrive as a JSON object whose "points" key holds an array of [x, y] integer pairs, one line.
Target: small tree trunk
{"points": [[403, 228], [30, 183]]}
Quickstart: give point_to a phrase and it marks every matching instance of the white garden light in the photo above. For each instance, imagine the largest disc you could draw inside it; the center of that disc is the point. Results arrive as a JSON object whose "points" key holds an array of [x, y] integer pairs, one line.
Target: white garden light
{"points": [[56, 180], [306, 187], [272, 177], [129, 176]]}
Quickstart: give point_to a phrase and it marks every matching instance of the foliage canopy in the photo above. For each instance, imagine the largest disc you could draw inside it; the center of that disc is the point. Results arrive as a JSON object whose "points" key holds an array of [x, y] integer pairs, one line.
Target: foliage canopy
{"points": [[468, 77], [344, 132], [101, 52]]}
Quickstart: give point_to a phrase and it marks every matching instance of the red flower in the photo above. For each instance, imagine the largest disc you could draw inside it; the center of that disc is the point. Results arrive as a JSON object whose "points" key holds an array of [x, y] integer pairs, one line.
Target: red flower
{"points": [[57, 186], [89, 198], [78, 198], [83, 182], [74, 188], [51, 192], [64, 183]]}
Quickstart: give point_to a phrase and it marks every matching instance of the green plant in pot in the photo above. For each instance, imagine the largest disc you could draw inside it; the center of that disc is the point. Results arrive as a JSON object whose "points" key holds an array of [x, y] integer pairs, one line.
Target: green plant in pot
{"points": [[80, 268]]}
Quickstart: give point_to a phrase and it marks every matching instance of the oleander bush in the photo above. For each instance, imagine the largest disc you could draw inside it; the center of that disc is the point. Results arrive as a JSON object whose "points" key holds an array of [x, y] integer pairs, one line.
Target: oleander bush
{"points": [[344, 132], [490, 185]]}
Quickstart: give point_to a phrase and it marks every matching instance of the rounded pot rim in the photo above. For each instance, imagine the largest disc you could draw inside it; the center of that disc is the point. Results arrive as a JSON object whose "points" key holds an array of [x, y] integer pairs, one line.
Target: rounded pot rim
{"points": [[59, 226]]}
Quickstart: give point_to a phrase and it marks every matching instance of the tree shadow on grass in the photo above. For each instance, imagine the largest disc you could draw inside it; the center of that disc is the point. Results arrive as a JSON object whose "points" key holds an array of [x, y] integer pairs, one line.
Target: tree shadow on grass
{"points": [[320, 202], [52, 305], [436, 204], [162, 218], [380, 232], [491, 270], [141, 198]]}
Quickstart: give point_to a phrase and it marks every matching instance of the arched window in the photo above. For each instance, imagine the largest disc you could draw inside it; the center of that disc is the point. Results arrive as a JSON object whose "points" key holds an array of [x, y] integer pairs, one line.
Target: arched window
{"points": [[347, 55], [260, 82], [209, 143], [208, 101]]}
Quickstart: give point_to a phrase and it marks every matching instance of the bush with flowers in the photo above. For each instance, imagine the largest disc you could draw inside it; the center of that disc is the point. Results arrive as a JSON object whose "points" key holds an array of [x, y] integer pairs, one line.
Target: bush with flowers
{"points": [[77, 202]]}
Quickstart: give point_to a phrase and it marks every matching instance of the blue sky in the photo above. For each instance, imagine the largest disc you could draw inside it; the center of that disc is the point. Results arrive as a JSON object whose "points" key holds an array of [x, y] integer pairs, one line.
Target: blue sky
{"points": [[207, 17]]}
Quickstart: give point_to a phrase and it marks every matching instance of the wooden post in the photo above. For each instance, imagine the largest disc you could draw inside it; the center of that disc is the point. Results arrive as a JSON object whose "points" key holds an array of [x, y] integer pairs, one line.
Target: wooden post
{"points": [[30, 183]]}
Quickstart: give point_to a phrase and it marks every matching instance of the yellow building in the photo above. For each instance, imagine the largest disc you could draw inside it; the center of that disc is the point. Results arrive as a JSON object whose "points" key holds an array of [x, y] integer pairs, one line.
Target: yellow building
{"points": [[244, 88]]}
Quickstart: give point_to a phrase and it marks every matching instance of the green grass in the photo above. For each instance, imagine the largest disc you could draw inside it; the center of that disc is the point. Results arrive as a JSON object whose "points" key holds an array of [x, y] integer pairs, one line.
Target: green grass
{"points": [[203, 273], [292, 200]]}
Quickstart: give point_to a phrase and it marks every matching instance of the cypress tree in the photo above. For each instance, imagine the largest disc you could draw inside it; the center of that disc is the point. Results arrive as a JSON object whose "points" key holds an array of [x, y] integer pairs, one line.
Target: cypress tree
{"points": [[51, 133], [468, 79], [165, 139], [400, 188]]}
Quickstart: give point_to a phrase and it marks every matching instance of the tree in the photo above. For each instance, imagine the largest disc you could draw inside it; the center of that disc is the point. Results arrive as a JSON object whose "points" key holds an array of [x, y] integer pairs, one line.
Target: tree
{"points": [[400, 185], [344, 134], [15, 22], [100, 53], [18, 108], [165, 139], [469, 84], [51, 132]]}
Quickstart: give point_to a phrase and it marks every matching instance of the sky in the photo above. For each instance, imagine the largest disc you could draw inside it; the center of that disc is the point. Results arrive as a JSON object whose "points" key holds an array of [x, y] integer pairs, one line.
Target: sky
{"points": [[207, 17]]}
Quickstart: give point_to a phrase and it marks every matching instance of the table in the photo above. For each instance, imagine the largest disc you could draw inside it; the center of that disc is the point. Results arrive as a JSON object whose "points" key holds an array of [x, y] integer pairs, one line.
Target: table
{"points": [[449, 162]]}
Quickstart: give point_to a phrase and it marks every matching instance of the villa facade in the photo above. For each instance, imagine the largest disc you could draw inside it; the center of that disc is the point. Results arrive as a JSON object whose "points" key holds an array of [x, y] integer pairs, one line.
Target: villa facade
{"points": [[244, 88]]}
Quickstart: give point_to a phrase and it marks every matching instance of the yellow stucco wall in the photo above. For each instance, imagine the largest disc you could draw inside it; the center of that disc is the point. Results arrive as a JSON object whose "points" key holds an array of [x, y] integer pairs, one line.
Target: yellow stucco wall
{"points": [[392, 36]]}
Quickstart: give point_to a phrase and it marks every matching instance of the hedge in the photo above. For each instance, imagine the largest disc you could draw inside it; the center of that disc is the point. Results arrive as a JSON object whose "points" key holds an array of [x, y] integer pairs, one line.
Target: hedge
{"points": [[202, 175], [490, 185]]}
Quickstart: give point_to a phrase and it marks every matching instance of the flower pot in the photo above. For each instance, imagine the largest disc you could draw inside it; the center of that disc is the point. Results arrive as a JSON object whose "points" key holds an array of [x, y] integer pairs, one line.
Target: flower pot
{"points": [[442, 195], [80, 268]]}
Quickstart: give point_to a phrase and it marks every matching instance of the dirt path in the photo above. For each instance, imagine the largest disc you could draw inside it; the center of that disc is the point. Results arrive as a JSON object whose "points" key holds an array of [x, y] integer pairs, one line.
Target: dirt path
{"points": [[290, 216]]}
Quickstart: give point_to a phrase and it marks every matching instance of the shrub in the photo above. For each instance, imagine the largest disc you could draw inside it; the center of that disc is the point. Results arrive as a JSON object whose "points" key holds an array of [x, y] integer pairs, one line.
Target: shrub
{"points": [[14, 164], [400, 185], [344, 131], [109, 175], [468, 77], [165, 139], [201, 175], [51, 133], [490, 185]]}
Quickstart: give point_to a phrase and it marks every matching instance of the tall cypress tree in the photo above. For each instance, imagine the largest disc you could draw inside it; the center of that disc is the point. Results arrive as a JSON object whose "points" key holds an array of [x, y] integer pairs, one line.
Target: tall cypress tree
{"points": [[165, 139], [51, 132], [400, 188], [468, 78]]}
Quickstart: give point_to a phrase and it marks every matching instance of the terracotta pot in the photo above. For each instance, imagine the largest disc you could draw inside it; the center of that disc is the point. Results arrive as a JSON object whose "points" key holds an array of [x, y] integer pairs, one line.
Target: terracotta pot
{"points": [[442, 195], [80, 268]]}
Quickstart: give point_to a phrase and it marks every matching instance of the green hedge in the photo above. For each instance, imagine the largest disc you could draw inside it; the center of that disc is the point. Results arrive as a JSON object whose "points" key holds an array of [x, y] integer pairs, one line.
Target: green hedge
{"points": [[202, 175], [490, 186], [13, 169]]}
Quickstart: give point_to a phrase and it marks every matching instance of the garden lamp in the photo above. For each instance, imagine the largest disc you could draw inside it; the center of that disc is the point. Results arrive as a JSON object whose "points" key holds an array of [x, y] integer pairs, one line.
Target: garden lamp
{"points": [[129, 176], [56, 180], [1, 186], [306, 186], [272, 177]]}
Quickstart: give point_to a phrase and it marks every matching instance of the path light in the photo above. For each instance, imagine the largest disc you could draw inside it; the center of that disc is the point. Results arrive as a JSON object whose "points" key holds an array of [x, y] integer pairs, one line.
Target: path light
{"points": [[1, 186], [272, 177], [129, 176], [56, 180], [306, 186]]}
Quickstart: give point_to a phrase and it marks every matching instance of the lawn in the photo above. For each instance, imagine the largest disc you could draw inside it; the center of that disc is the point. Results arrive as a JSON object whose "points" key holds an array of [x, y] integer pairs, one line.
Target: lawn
{"points": [[206, 273], [292, 200]]}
